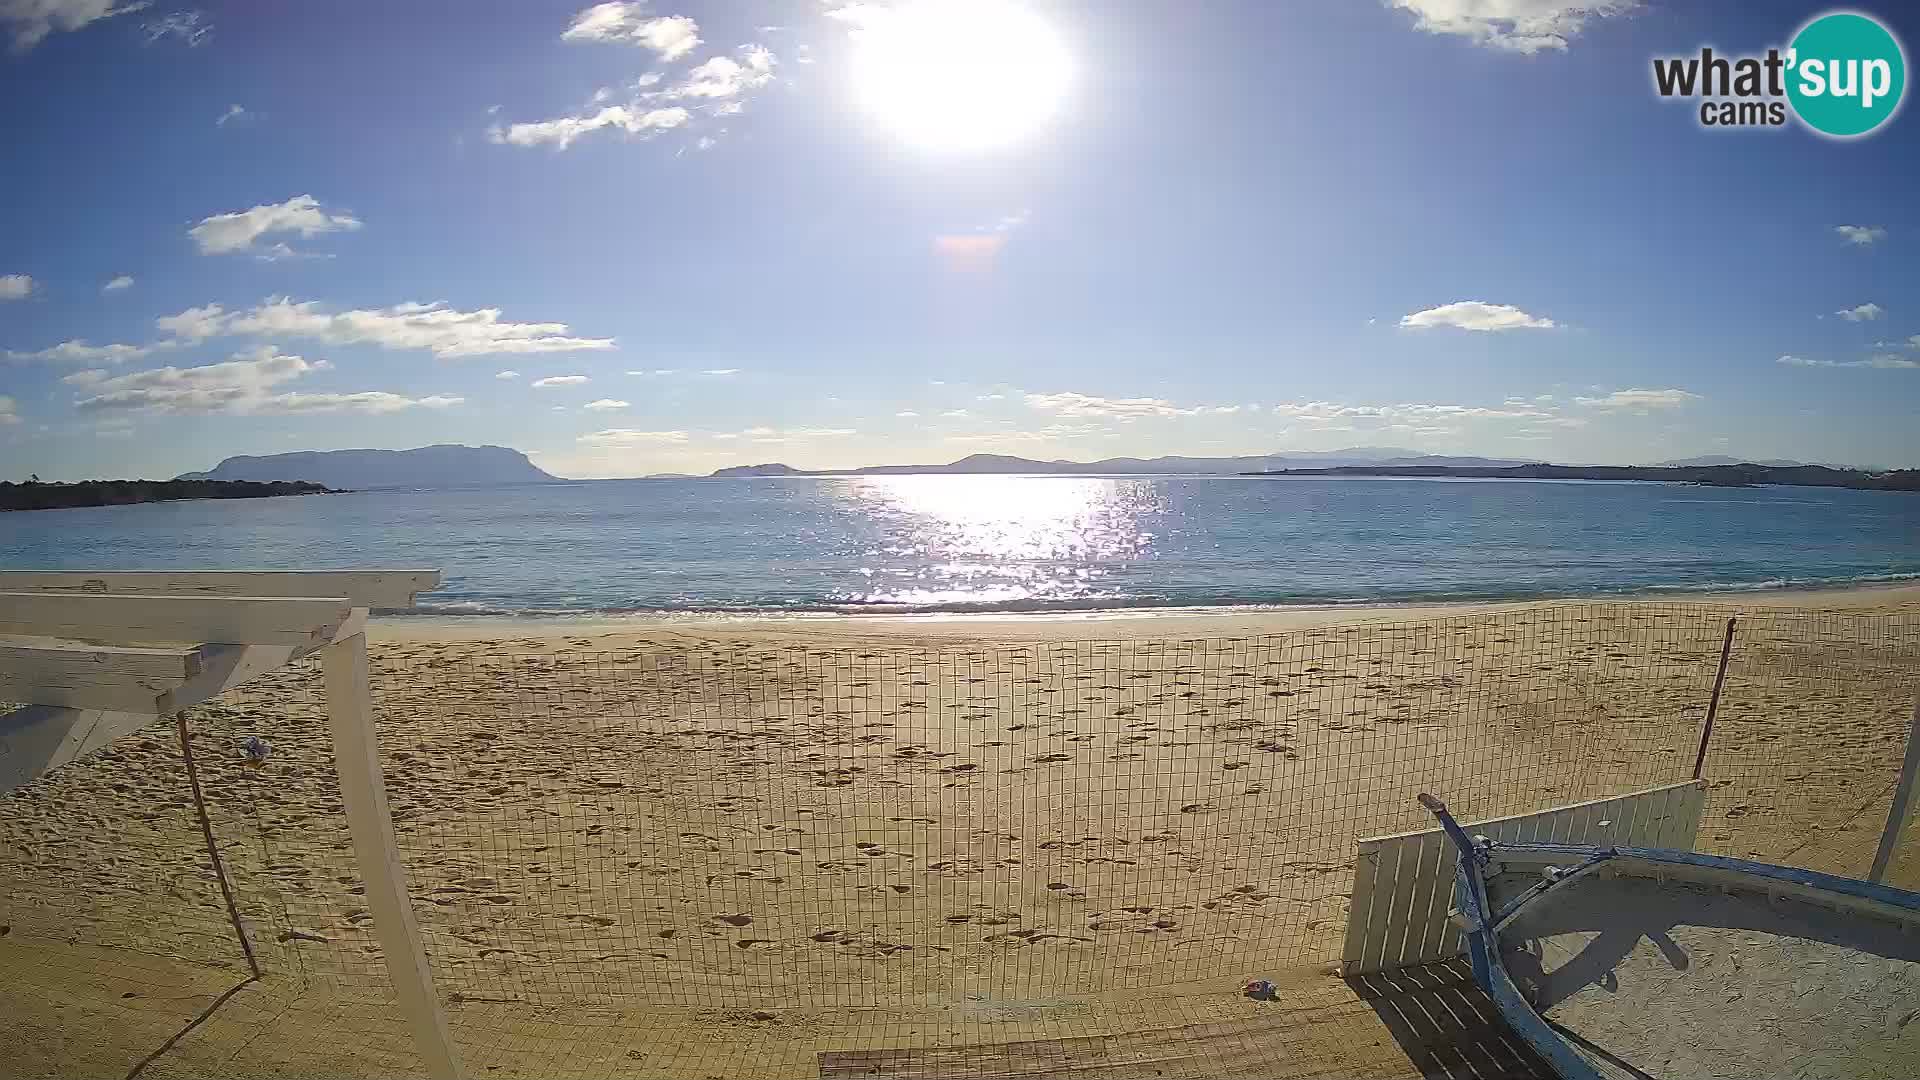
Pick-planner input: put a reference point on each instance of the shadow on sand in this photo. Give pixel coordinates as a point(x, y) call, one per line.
point(1447, 1025)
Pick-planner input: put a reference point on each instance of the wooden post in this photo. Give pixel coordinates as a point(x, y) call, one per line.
point(363, 790)
point(1902, 800)
point(1713, 703)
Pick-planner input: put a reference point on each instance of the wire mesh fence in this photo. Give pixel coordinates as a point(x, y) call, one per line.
point(768, 822)
point(810, 827)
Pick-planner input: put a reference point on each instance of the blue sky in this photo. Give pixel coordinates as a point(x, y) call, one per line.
point(848, 233)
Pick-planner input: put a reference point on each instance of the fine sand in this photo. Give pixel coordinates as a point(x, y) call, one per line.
point(782, 839)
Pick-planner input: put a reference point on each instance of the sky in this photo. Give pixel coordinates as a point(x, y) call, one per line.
point(635, 238)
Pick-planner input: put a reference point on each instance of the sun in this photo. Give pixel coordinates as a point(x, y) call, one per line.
point(959, 74)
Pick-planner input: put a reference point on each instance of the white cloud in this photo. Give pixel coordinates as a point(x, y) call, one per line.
point(1522, 26)
point(79, 352)
point(561, 380)
point(242, 385)
point(1071, 404)
point(446, 332)
point(8, 415)
point(657, 372)
point(29, 21)
point(955, 414)
point(907, 414)
point(117, 283)
point(225, 234)
point(507, 375)
point(1002, 437)
point(1862, 312)
point(714, 371)
point(775, 435)
point(719, 83)
point(605, 405)
point(859, 14)
point(234, 112)
point(369, 401)
point(630, 437)
point(669, 36)
point(16, 286)
point(256, 369)
point(1322, 412)
point(195, 323)
point(1861, 235)
point(1639, 400)
point(1476, 315)
point(724, 77)
point(188, 27)
point(562, 131)
point(1884, 362)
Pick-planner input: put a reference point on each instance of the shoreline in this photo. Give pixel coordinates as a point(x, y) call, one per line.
point(1088, 624)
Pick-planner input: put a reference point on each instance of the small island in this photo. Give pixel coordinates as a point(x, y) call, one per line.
point(35, 495)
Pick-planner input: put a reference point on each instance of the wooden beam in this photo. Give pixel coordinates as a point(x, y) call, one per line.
point(48, 658)
point(366, 588)
point(126, 679)
point(238, 620)
point(363, 790)
point(93, 690)
point(38, 738)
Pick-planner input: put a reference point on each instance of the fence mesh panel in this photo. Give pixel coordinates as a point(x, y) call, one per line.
point(768, 822)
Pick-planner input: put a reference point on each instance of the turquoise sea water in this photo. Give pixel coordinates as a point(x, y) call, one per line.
point(967, 543)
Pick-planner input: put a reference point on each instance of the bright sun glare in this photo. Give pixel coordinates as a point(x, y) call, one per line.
point(961, 74)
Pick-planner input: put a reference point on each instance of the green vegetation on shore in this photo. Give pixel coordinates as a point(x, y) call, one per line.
point(1744, 475)
point(34, 495)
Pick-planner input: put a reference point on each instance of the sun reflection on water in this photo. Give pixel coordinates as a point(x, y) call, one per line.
point(999, 540)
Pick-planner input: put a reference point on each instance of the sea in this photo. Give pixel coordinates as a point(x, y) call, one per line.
point(899, 544)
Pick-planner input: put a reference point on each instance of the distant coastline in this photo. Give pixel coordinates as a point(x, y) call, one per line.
point(34, 495)
point(1742, 475)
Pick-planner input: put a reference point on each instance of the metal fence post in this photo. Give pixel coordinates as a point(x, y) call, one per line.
point(1902, 800)
point(1713, 704)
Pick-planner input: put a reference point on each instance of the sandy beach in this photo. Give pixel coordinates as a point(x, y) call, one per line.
point(837, 835)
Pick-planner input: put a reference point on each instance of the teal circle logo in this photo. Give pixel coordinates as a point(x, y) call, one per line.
point(1846, 74)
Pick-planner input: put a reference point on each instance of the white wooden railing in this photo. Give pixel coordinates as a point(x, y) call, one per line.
point(93, 657)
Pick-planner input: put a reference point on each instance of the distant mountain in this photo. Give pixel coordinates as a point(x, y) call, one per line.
point(975, 464)
point(1437, 460)
point(1722, 459)
point(770, 469)
point(427, 466)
